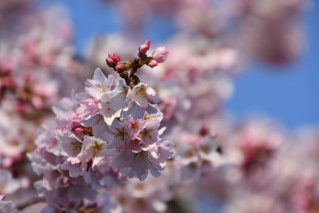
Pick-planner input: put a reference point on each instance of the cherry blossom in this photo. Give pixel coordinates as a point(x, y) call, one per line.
point(102, 137)
point(5, 206)
point(148, 132)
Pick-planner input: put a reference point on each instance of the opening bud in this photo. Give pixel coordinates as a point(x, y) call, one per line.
point(160, 54)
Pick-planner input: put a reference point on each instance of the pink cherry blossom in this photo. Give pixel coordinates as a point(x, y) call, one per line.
point(5, 206)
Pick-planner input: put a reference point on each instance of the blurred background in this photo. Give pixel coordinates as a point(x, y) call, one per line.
point(288, 93)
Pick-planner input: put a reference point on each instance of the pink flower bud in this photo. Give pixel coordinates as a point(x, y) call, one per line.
point(108, 61)
point(112, 60)
point(148, 42)
point(116, 58)
point(153, 63)
point(204, 130)
point(160, 54)
point(144, 47)
point(120, 67)
point(76, 122)
point(79, 130)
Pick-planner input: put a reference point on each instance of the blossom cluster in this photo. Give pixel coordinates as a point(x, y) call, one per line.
point(36, 59)
point(11, 13)
point(103, 150)
point(238, 170)
point(102, 137)
point(198, 154)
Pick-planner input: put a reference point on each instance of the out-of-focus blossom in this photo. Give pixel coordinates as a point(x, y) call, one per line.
point(231, 21)
point(143, 196)
point(5, 206)
point(197, 155)
point(12, 13)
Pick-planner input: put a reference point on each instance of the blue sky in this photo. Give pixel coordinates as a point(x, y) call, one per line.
point(289, 96)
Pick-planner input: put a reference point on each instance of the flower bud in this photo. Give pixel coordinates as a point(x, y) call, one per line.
point(204, 130)
point(153, 63)
point(112, 60)
point(76, 122)
point(144, 47)
point(109, 62)
point(79, 130)
point(120, 67)
point(160, 54)
point(116, 58)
